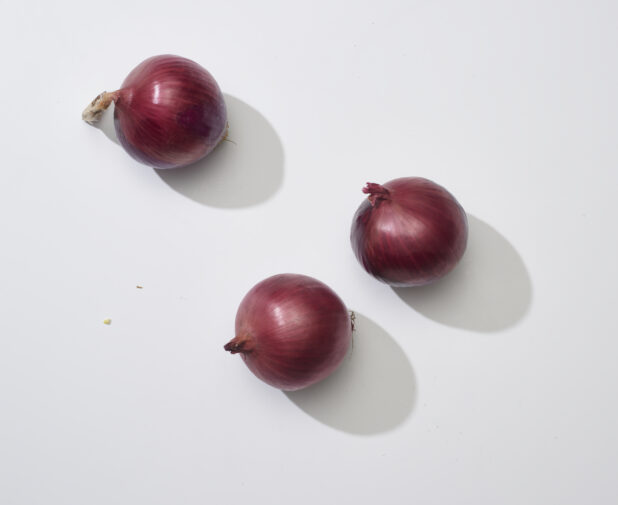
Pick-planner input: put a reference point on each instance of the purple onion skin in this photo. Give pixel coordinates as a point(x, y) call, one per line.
point(291, 331)
point(409, 232)
point(169, 112)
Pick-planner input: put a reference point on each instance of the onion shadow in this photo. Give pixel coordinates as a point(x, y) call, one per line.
point(244, 170)
point(490, 290)
point(106, 124)
point(372, 391)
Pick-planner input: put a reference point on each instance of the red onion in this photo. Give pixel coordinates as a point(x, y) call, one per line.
point(409, 231)
point(168, 113)
point(292, 331)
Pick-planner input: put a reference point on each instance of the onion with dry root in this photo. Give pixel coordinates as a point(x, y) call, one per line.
point(168, 113)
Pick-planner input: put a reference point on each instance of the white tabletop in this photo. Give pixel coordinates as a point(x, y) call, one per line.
point(497, 385)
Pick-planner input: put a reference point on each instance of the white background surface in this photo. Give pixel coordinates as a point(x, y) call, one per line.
point(496, 386)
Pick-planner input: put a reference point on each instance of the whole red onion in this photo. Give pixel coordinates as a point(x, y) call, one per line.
point(409, 232)
point(168, 113)
point(291, 331)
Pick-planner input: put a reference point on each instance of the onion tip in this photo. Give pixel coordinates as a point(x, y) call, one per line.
point(376, 193)
point(93, 112)
point(239, 344)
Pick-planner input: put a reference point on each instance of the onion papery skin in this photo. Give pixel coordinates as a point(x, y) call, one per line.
point(291, 331)
point(169, 112)
point(409, 231)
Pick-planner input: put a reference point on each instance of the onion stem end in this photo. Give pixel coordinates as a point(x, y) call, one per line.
point(93, 112)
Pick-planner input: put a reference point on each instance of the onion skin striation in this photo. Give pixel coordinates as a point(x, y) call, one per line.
point(291, 331)
point(168, 113)
point(409, 231)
